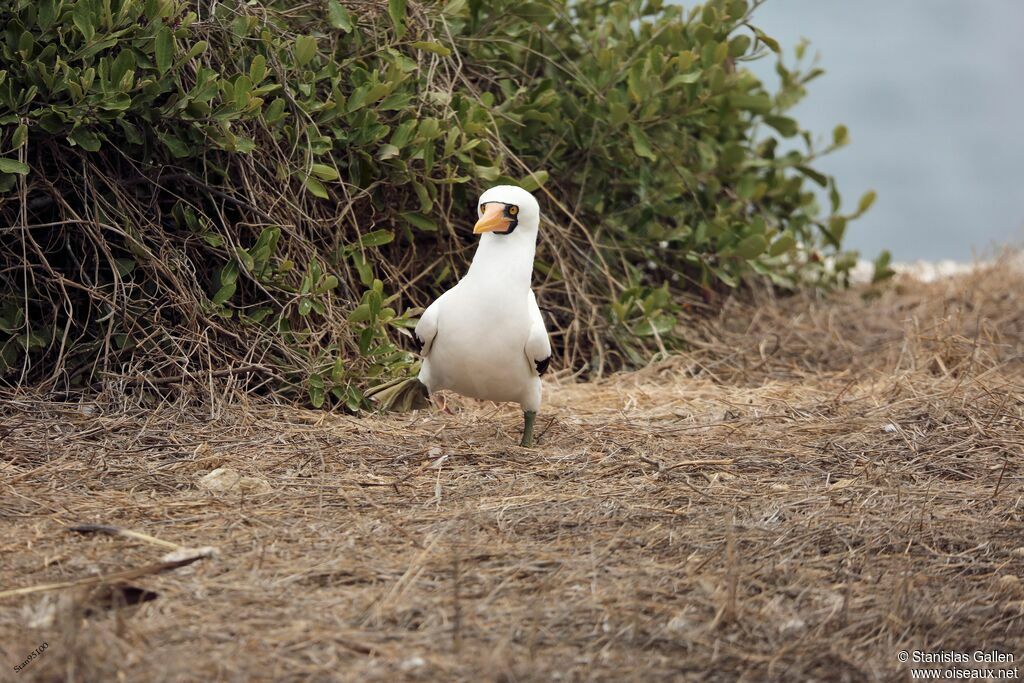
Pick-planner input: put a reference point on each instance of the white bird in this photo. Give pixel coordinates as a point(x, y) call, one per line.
point(485, 337)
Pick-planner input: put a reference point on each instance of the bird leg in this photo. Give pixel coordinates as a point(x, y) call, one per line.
point(529, 416)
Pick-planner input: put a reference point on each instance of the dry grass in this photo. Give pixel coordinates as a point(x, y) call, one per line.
point(818, 485)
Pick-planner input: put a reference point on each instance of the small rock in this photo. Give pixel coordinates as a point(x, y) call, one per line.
point(1010, 584)
point(224, 479)
point(44, 613)
point(412, 663)
point(189, 553)
point(794, 625)
point(680, 624)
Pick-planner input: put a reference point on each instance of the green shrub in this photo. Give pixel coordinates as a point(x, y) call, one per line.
point(270, 190)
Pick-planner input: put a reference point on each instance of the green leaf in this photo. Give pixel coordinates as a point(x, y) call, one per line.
point(772, 44)
point(747, 187)
point(275, 111)
point(662, 324)
point(865, 203)
point(739, 45)
point(82, 16)
point(396, 10)
point(163, 48)
point(257, 69)
point(316, 390)
point(124, 266)
point(534, 181)
point(229, 273)
point(786, 126)
point(377, 238)
point(196, 50)
point(782, 245)
point(426, 201)
point(360, 314)
point(641, 145)
point(224, 293)
point(751, 247)
point(25, 44)
point(47, 13)
point(315, 187)
point(86, 139)
point(213, 239)
point(177, 147)
point(116, 102)
point(759, 104)
point(420, 221)
point(325, 172)
point(305, 50)
point(726, 277)
point(13, 166)
point(388, 151)
point(242, 88)
point(684, 79)
point(882, 270)
point(258, 315)
point(403, 133)
point(338, 16)
point(488, 173)
point(535, 12)
point(432, 46)
point(834, 199)
point(818, 177)
point(429, 128)
point(836, 230)
point(840, 136)
point(338, 370)
point(20, 136)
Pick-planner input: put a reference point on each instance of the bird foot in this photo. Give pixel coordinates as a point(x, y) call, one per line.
point(441, 403)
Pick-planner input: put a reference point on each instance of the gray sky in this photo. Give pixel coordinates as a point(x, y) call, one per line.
point(933, 94)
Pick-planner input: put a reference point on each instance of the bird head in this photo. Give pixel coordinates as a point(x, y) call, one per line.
point(506, 209)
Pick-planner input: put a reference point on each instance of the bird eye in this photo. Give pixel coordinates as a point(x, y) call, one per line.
point(513, 210)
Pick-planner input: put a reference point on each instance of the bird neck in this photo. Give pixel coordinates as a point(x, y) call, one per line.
point(506, 260)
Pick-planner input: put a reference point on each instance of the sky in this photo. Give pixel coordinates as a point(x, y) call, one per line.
point(932, 92)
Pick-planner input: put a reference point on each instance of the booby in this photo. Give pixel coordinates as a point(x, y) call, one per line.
point(485, 337)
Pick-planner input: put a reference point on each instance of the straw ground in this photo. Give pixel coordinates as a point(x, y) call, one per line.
point(818, 485)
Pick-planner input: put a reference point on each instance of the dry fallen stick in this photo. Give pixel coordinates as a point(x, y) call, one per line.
point(697, 463)
point(127, 533)
point(123, 575)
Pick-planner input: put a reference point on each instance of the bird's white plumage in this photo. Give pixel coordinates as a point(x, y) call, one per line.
point(426, 328)
point(538, 345)
point(484, 337)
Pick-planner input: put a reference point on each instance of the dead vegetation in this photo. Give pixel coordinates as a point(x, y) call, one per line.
point(818, 485)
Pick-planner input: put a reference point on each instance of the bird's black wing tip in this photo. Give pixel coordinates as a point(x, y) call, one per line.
point(542, 365)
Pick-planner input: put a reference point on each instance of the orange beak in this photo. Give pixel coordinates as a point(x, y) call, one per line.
point(493, 219)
